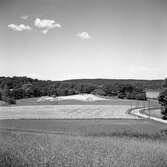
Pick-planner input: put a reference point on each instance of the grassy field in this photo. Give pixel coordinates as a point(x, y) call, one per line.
point(65, 111)
point(109, 101)
point(83, 143)
point(155, 112)
point(88, 127)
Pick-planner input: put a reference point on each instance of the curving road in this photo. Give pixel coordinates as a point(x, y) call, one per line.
point(138, 113)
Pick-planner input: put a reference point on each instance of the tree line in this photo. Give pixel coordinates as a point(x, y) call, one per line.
point(12, 88)
point(163, 100)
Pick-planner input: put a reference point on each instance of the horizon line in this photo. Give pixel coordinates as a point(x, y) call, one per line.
point(39, 78)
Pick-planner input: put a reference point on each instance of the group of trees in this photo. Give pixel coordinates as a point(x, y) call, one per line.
point(6, 96)
point(12, 88)
point(131, 92)
point(163, 100)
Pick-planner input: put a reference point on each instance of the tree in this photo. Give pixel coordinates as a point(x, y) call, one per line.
point(99, 91)
point(141, 96)
point(18, 93)
point(6, 95)
point(164, 84)
point(163, 101)
point(162, 98)
point(28, 89)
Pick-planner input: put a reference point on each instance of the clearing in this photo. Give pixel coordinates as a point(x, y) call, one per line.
point(78, 134)
point(65, 111)
point(96, 143)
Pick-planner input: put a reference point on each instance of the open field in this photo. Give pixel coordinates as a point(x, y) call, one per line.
point(155, 112)
point(107, 136)
point(108, 101)
point(20, 149)
point(78, 97)
point(88, 127)
point(82, 143)
point(64, 111)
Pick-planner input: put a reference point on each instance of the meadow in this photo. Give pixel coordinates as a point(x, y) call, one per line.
point(64, 112)
point(83, 143)
point(106, 137)
point(109, 101)
point(155, 112)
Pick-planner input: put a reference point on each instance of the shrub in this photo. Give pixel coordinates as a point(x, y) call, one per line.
point(131, 95)
point(164, 112)
point(141, 96)
point(9, 100)
point(163, 101)
point(121, 95)
point(99, 91)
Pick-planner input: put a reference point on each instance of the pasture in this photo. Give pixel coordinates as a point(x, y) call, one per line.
point(88, 127)
point(82, 143)
point(105, 101)
point(82, 134)
point(65, 112)
point(155, 112)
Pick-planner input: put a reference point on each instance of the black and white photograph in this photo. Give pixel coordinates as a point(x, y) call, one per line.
point(83, 83)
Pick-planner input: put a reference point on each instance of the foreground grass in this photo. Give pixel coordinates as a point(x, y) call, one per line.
point(89, 127)
point(22, 150)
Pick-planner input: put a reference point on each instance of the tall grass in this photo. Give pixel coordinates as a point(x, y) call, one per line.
point(19, 149)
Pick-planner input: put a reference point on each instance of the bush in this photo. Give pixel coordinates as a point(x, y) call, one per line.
point(163, 101)
point(141, 96)
point(121, 95)
point(131, 95)
point(9, 100)
point(99, 91)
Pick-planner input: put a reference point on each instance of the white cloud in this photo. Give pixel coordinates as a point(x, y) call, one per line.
point(83, 35)
point(46, 24)
point(24, 17)
point(20, 27)
point(45, 31)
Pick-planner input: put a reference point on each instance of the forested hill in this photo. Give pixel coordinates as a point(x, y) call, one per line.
point(17, 82)
point(144, 84)
point(24, 87)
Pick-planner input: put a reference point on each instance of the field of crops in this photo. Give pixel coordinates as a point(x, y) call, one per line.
point(64, 111)
point(46, 136)
point(154, 112)
point(19, 149)
point(87, 127)
point(109, 101)
point(82, 143)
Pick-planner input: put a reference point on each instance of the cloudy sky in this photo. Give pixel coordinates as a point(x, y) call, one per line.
point(67, 39)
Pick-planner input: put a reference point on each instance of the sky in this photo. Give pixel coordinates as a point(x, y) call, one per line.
point(72, 39)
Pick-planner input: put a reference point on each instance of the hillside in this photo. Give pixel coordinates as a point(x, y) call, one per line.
point(24, 87)
point(146, 84)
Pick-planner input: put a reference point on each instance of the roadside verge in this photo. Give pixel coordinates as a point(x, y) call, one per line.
point(138, 112)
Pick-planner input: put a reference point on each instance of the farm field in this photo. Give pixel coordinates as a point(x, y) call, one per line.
point(108, 101)
point(87, 127)
point(64, 111)
point(156, 112)
point(118, 143)
point(80, 135)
